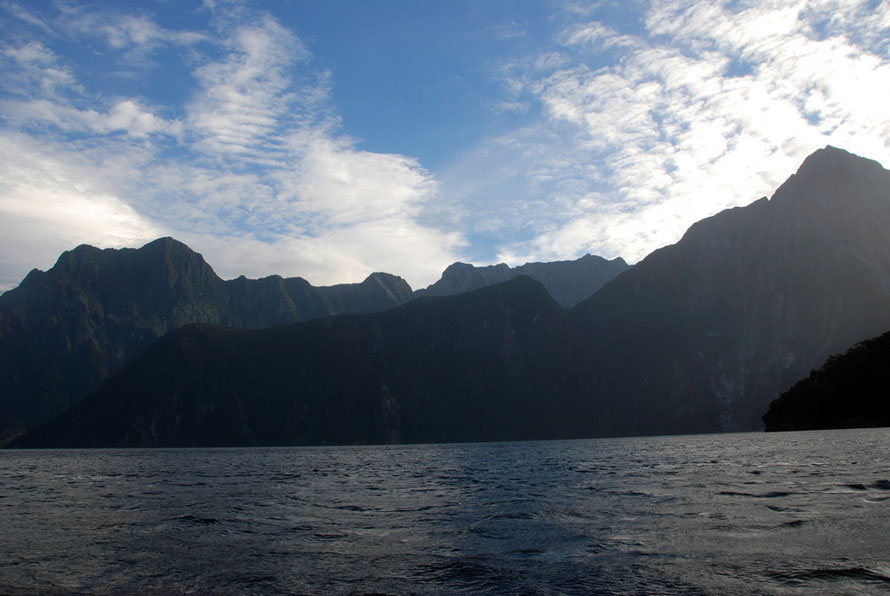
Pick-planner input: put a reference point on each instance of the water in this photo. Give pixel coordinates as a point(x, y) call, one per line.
point(787, 513)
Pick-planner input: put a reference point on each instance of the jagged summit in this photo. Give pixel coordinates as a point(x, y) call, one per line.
point(568, 282)
point(165, 253)
point(63, 331)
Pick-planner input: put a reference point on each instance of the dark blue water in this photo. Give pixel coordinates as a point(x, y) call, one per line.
point(789, 513)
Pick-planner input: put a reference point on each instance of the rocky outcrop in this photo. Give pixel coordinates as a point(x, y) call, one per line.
point(569, 282)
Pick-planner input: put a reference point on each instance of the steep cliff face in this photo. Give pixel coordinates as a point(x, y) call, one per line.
point(852, 390)
point(569, 282)
point(64, 331)
point(753, 298)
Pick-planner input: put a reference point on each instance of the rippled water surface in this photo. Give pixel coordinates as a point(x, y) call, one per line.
point(787, 513)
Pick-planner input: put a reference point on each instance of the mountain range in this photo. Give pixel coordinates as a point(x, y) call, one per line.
point(569, 282)
point(700, 336)
point(66, 330)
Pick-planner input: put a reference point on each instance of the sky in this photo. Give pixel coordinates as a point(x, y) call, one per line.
point(329, 140)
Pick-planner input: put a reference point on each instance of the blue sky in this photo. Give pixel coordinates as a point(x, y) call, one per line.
point(332, 139)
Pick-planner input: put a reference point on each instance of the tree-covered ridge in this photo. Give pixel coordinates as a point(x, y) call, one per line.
point(851, 390)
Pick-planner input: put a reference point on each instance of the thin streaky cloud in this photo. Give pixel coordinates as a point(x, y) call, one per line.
point(709, 107)
point(24, 15)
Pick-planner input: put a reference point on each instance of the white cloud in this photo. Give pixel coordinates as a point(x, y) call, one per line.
point(126, 116)
point(26, 16)
point(711, 106)
point(259, 181)
point(52, 200)
point(254, 93)
point(346, 186)
point(340, 255)
point(31, 53)
point(628, 137)
point(123, 31)
point(119, 30)
point(34, 66)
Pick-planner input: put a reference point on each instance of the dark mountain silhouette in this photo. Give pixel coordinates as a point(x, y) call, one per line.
point(64, 331)
point(437, 369)
point(697, 337)
point(748, 301)
point(569, 282)
point(852, 390)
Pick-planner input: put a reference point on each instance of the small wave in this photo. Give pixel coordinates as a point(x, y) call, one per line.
point(830, 575)
point(324, 536)
point(530, 551)
point(732, 493)
point(466, 574)
point(256, 581)
point(513, 515)
point(634, 493)
point(775, 494)
point(877, 485)
point(856, 486)
point(188, 517)
point(350, 508)
point(784, 509)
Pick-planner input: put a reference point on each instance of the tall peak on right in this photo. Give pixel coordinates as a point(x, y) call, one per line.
point(831, 178)
point(833, 160)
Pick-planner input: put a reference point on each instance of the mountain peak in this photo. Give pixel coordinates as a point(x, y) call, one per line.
point(834, 161)
point(166, 243)
point(81, 257)
point(173, 250)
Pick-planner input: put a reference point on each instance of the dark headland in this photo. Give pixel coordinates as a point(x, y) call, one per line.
point(851, 390)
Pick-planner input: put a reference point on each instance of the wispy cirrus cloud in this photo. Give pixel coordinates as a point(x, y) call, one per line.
point(32, 67)
point(707, 106)
point(254, 96)
point(250, 169)
point(126, 115)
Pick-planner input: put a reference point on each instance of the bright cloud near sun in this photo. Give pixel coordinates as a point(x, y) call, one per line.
point(308, 141)
point(707, 106)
